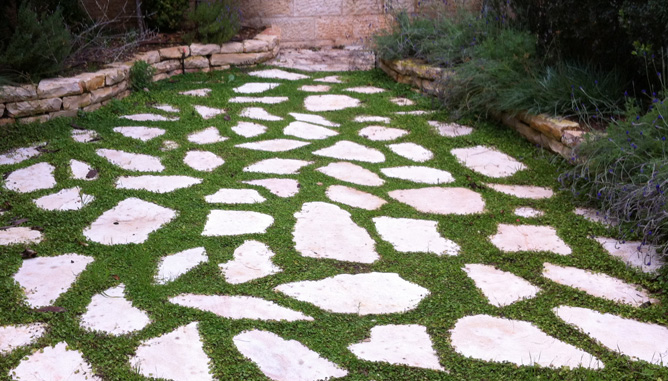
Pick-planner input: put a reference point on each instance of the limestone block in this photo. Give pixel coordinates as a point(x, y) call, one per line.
point(149, 57)
point(238, 59)
point(332, 28)
point(101, 94)
point(92, 81)
point(263, 8)
point(255, 46)
point(572, 138)
point(294, 29)
point(34, 119)
point(362, 7)
point(119, 88)
point(113, 75)
point(548, 125)
point(175, 52)
point(365, 26)
point(58, 87)
point(232, 47)
point(196, 62)
point(317, 7)
point(92, 107)
point(204, 49)
point(77, 101)
point(270, 39)
point(26, 108)
point(17, 93)
point(166, 66)
point(64, 114)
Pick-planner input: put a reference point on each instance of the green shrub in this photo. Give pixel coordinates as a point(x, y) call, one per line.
point(141, 75)
point(165, 15)
point(214, 22)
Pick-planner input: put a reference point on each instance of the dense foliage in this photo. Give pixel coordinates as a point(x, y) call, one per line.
point(141, 75)
point(214, 22)
point(165, 15)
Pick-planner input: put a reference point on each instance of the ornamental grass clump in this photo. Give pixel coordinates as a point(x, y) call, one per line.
point(214, 22)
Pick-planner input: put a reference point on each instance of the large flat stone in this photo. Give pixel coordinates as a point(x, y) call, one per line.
point(236, 222)
point(66, 199)
point(132, 161)
point(258, 113)
point(409, 235)
point(380, 133)
point(156, 184)
point(171, 267)
point(35, 177)
point(372, 119)
point(439, 200)
point(204, 161)
point(514, 238)
point(487, 161)
point(235, 196)
point(140, 133)
point(255, 87)
point(263, 100)
point(523, 191)
point(501, 288)
point(528, 212)
point(274, 145)
point(59, 87)
point(85, 136)
point(353, 197)
point(197, 92)
point(110, 313)
point(352, 173)
point(249, 129)
point(17, 155)
point(150, 118)
point(252, 260)
point(278, 187)
point(55, 363)
point(16, 336)
point(329, 102)
point(277, 74)
point(416, 174)
point(208, 135)
point(239, 307)
point(315, 88)
point(81, 170)
point(315, 119)
point(278, 166)
point(451, 130)
point(19, 235)
point(308, 131)
point(634, 254)
point(207, 112)
point(365, 90)
point(347, 150)
point(412, 151)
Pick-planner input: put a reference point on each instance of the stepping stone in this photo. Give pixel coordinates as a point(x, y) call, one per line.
point(197, 92)
point(501, 288)
point(638, 340)
point(203, 160)
point(634, 254)
point(166, 108)
point(109, 312)
point(35, 177)
point(16, 336)
point(514, 238)
point(236, 222)
point(239, 307)
point(235, 196)
point(17, 155)
point(438, 200)
point(206, 136)
point(412, 151)
point(44, 279)
point(18, 235)
point(371, 119)
point(408, 235)
point(171, 267)
point(451, 130)
point(81, 170)
point(140, 133)
point(84, 136)
point(407, 344)
point(315, 88)
point(156, 184)
point(487, 161)
point(346, 150)
point(527, 212)
point(365, 90)
point(352, 173)
point(66, 199)
point(169, 145)
point(416, 112)
point(308, 131)
point(284, 360)
point(255, 87)
point(258, 113)
point(315, 119)
point(130, 221)
point(278, 74)
point(263, 100)
point(249, 129)
point(424, 175)
point(353, 197)
point(594, 215)
point(598, 284)
point(150, 118)
point(379, 133)
point(252, 260)
point(523, 191)
point(329, 79)
point(316, 103)
point(278, 166)
point(278, 187)
point(54, 363)
point(499, 340)
point(131, 161)
point(402, 101)
point(274, 145)
point(208, 112)
point(362, 294)
point(326, 231)
point(177, 355)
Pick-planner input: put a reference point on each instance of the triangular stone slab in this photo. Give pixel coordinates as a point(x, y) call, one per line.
point(308, 131)
point(317, 103)
point(140, 133)
point(132, 161)
point(16, 336)
point(514, 238)
point(236, 222)
point(258, 113)
point(315, 119)
point(206, 136)
point(166, 108)
point(249, 129)
point(17, 155)
point(239, 307)
point(255, 87)
point(488, 161)
point(235, 196)
point(278, 166)
point(277, 74)
point(523, 191)
point(263, 100)
point(66, 199)
point(353, 197)
point(54, 363)
point(110, 313)
point(346, 150)
point(81, 170)
point(278, 187)
point(35, 177)
point(150, 118)
point(409, 235)
point(156, 184)
point(197, 92)
point(171, 267)
point(19, 235)
point(274, 145)
point(451, 130)
point(352, 173)
point(379, 133)
point(252, 260)
point(438, 200)
point(501, 288)
point(412, 151)
point(634, 254)
point(204, 161)
point(207, 112)
point(416, 174)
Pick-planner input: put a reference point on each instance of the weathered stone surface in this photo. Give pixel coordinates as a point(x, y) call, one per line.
point(635, 254)
point(412, 151)
point(17, 155)
point(451, 130)
point(514, 238)
point(101, 94)
point(196, 62)
point(439, 200)
point(278, 166)
point(19, 235)
point(380, 133)
point(308, 131)
point(273, 145)
point(409, 235)
point(249, 129)
point(132, 161)
point(84, 136)
point(166, 108)
point(501, 288)
point(208, 112)
point(236, 222)
point(55, 363)
point(92, 81)
point(258, 113)
point(113, 76)
point(252, 260)
point(35, 177)
point(149, 57)
point(174, 53)
point(353, 197)
point(271, 39)
point(424, 175)
point(40, 106)
point(66, 199)
point(239, 307)
point(487, 161)
point(109, 312)
point(76, 102)
point(278, 74)
point(34, 119)
point(255, 46)
point(346, 150)
point(548, 125)
point(315, 119)
point(523, 191)
point(81, 170)
point(171, 267)
point(329, 79)
point(156, 184)
point(527, 212)
point(278, 187)
point(235, 196)
point(264, 100)
point(59, 87)
point(63, 114)
point(166, 66)
point(203, 160)
point(12, 337)
point(204, 49)
point(231, 47)
point(255, 87)
point(240, 59)
point(402, 101)
point(316, 103)
point(206, 136)
point(140, 133)
point(352, 173)
point(17, 93)
point(315, 88)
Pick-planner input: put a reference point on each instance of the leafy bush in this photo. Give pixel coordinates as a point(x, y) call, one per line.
point(165, 15)
point(214, 22)
point(141, 75)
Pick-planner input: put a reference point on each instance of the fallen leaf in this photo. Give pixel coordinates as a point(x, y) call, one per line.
point(91, 174)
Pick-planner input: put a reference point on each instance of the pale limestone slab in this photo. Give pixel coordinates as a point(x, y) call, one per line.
point(208, 135)
point(29, 179)
point(109, 312)
point(409, 235)
point(236, 222)
point(235, 196)
point(638, 340)
point(17, 155)
point(239, 307)
point(353, 197)
point(255, 87)
point(451, 130)
point(278, 166)
point(527, 212)
point(315, 88)
point(523, 191)
point(326, 231)
point(597, 284)
point(66, 199)
point(147, 117)
point(169, 145)
point(415, 112)
point(258, 113)
point(273, 145)
point(439, 200)
point(496, 339)
point(372, 119)
point(197, 92)
point(417, 174)
point(278, 74)
point(54, 363)
point(379, 133)
point(80, 170)
point(402, 101)
point(514, 238)
point(362, 294)
point(412, 151)
point(501, 288)
point(249, 129)
point(315, 119)
point(308, 131)
point(84, 136)
point(263, 100)
point(204, 161)
point(285, 360)
point(18, 235)
point(166, 108)
point(252, 260)
point(329, 102)
point(329, 79)
point(278, 187)
point(365, 90)
point(407, 344)
point(131, 161)
point(352, 173)
point(177, 355)
point(44, 279)
point(156, 184)
point(16, 336)
point(171, 267)
point(487, 161)
point(633, 253)
point(207, 112)
point(594, 215)
point(130, 221)
point(140, 133)
point(347, 150)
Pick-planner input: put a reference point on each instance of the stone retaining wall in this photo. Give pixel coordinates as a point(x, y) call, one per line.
point(56, 97)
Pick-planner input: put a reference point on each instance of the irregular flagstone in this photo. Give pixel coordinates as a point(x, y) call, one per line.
point(346, 150)
point(263, 100)
point(523, 191)
point(527, 212)
point(84, 136)
point(451, 130)
point(171, 267)
point(407, 344)
point(638, 340)
point(18, 235)
point(17, 155)
point(177, 355)
point(329, 79)
point(249, 129)
point(157, 184)
point(316, 103)
point(255, 87)
point(140, 133)
point(514, 238)
point(353, 197)
point(132, 161)
point(352, 173)
point(204, 161)
point(54, 363)
point(308, 131)
point(207, 112)
point(236, 222)
point(379, 133)
point(495, 339)
point(412, 151)
point(239, 307)
point(16, 336)
point(409, 235)
point(44, 279)
point(278, 74)
point(594, 215)
point(274, 145)
point(278, 166)
point(150, 118)
point(634, 254)
point(258, 113)
point(402, 101)
point(315, 88)
point(111, 313)
point(365, 90)
point(252, 260)
point(372, 119)
point(424, 175)
point(130, 221)
point(501, 288)
point(487, 161)
point(362, 294)
point(441, 200)
point(235, 196)
point(278, 187)
point(285, 360)
point(197, 92)
point(315, 119)
point(166, 108)
point(597, 284)
point(206, 136)
point(66, 199)
point(35, 177)
point(326, 231)
point(81, 170)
